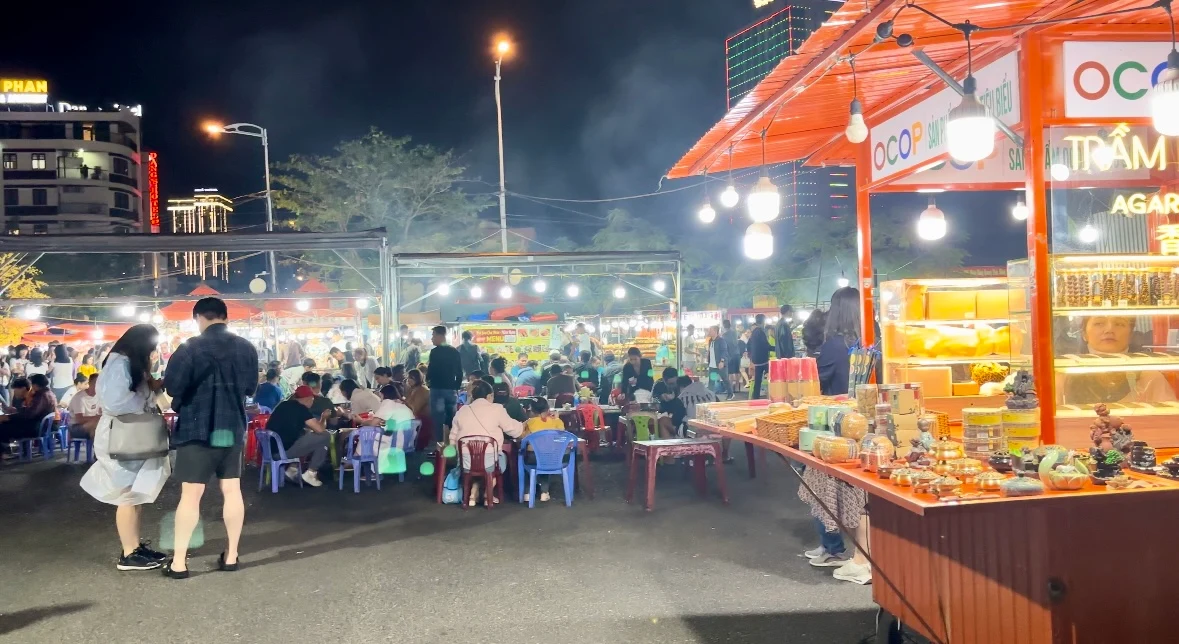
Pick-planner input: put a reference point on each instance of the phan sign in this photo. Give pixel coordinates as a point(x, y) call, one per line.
point(1111, 79)
point(917, 136)
point(19, 91)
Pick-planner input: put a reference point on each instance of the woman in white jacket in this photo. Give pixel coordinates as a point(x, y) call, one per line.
point(125, 386)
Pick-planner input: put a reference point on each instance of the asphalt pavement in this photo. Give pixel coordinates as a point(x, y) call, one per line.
point(392, 566)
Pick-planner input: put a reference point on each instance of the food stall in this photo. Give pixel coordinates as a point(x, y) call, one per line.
point(1069, 88)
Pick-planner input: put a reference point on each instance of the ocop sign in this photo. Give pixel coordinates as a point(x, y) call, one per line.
point(1111, 79)
point(918, 135)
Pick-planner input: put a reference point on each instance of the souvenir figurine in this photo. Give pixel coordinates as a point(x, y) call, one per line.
point(1022, 392)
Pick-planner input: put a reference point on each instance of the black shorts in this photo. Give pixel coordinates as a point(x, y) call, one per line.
point(733, 366)
point(197, 463)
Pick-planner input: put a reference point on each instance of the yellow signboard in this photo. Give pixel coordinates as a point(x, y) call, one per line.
point(23, 91)
point(1159, 203)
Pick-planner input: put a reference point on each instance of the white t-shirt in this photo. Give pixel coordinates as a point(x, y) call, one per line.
point(62, 376)
point(31, 369)
point(364, 402)
point(83, 404)
point(396, 411)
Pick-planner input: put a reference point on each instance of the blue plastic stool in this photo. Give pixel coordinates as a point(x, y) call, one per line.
point(76, 444)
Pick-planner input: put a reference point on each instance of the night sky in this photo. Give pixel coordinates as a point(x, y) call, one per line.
point(600, 100)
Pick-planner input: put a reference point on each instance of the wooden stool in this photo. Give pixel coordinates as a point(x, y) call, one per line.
point(696, 448)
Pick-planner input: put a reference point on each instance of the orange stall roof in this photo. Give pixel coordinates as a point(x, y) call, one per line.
point(803, 103)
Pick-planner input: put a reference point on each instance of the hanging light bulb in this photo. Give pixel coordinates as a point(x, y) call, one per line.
point(970, 130)
point(763, 201)
point(758, 242)
point(157, 318)
point(539, 286)
point(1020, 210)
point(931, 225)
point(857, 130)
point(476, 292)
point(1059, 172)
point(573, 290)
point(505, 292)
point(96, 334)
point(127, 310)
point(303, 305)
point(144, 318)
point(362, 303)
point(729, 197)
point(619, 292)
point(444, 288)
point(707, 213)
point(1164, 98)
point(842, 282)
point(1088, 234)
point(659, 285)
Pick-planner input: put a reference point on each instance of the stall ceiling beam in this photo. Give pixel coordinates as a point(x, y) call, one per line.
point(522, 260)
point(147, 299)
point(226, 242)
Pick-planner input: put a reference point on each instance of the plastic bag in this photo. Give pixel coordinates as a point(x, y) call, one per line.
point(451, 490)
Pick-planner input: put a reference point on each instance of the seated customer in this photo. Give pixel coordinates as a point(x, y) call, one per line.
point(502, 395)
point(482, 417)
point(417, 396)
point(301, 433)
point(542, 418)
point(692, 393)
point(586, 372)
point(20, 391)
point(80, 384)
point(671, 408)
point(559, 383)
point(529, 376)
point(322, 403)
point(364, 402)
point(85, 410)
point(383, 376)
point(25, 422)
point(269, 394)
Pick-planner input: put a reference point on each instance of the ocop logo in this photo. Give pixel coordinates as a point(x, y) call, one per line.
point(898, 147)
point(1125, 79)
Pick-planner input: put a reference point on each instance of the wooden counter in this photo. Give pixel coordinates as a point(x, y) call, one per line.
point(1090, 566)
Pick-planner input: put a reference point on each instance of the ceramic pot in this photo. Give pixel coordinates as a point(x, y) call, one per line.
point(947, 450)
point(1065, 477)
point(1002, 461)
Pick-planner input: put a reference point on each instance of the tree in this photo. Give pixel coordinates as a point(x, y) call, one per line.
point(26, 284)
point(378, 181)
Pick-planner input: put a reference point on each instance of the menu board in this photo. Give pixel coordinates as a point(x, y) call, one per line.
point(509, 340)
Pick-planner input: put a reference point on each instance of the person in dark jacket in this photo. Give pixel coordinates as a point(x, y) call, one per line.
point(783, 336)
point(842, 335)
point(736, 348)
point(444, 376)
point(637, 373)
point(718, 356)
point(469, 354)
point(759, 354)
point(209, 377)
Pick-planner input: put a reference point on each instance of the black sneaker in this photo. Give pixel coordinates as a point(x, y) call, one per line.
point(145, 550)
point(137, 561)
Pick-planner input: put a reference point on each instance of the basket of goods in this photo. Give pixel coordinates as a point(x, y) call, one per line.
point(782, 427)
point(838, 450)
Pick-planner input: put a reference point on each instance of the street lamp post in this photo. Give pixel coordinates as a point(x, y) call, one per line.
point(502, 48)
point(249, 129)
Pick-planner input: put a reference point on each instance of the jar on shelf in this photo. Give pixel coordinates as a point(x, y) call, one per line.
point(838, 449)
point(876, 451)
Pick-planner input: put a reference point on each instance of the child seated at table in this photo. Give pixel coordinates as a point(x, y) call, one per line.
point(541, 418)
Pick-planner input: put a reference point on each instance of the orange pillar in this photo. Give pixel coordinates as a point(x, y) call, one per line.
point(864, 242)
point(1032, 93)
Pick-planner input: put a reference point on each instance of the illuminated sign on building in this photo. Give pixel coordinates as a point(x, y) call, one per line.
point(1167, 235)
point(17, 91)
point(153, 191)
point(758, 4)
point(1130, 151)
point(1165, 203)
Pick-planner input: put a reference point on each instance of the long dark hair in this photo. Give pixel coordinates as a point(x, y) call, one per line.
point(843, 318)
point(137, 344)
point(813, 330)
point(60, 354)
point(36, 357)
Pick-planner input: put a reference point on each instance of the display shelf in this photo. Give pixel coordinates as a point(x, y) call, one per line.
point(933, 362)
point(964, 322)
point(1081, 311)
point(1104, 363)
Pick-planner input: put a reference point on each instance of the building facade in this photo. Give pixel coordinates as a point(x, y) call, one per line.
point(71, 171)
point(206, 212)
point(780, 27)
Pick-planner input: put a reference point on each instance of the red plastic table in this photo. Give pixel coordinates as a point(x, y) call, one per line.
point(695, 448)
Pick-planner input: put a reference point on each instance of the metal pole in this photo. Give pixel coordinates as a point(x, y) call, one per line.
point(269, 210)
point(679, 315)
point(503, 192)
point(395, 299)
point(385, 298)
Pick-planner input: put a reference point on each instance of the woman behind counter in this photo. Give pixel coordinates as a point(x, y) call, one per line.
point(1112, 335)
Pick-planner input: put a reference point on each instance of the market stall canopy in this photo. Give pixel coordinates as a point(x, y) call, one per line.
point(110, 332)
point(802, 105)
point(180, 311)
point(45, 337)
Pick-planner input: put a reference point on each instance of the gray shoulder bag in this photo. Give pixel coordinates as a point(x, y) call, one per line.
point(138, 437)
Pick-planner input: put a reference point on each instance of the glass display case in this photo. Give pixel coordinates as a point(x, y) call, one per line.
point(954, 336)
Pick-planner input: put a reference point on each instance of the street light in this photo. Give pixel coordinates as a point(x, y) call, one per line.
point(249, 129)
point(503, 47)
